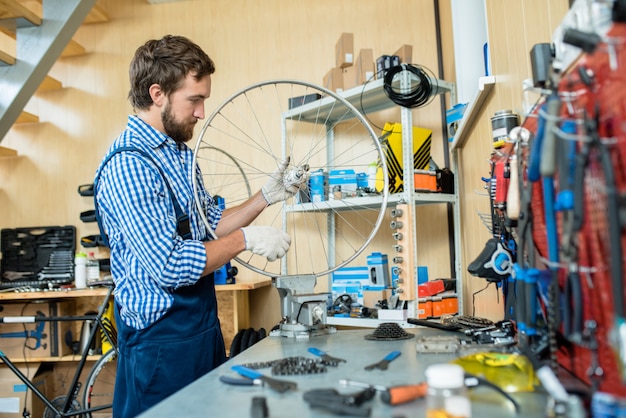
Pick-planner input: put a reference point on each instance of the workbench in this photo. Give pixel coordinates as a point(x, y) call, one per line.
point(208, 394)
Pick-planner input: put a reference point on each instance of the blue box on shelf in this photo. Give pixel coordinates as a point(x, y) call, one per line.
point(346, 179)
point(378, 270)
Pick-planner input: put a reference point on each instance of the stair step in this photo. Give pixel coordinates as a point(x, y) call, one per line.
point(73, 49)
point(12, 9)
point(7, 58)
point(26, 117)
point(7, 152)
point(49, 84)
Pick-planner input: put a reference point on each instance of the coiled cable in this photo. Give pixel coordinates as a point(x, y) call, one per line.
point(420, 94)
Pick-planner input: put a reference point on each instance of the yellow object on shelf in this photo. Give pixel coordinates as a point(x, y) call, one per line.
point(391, 138)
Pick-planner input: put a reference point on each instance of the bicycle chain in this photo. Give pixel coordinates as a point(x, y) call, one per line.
point(291, 366)
point(467, 321)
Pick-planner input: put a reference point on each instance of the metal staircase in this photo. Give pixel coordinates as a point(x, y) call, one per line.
point(39, 42)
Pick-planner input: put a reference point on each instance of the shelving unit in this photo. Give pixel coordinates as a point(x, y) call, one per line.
point(372, 98)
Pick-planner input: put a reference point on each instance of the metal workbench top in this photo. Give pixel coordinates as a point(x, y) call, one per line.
point(208, 396)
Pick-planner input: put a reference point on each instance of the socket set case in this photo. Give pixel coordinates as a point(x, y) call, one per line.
point(37, 256)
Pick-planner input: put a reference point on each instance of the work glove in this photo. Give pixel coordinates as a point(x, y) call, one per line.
point(266, 241)
point(284, 183)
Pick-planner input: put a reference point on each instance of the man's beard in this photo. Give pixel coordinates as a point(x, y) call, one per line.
point(179, 132)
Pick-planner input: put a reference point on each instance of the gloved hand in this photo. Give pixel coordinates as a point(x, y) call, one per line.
point(266, 241)
point(283, 183)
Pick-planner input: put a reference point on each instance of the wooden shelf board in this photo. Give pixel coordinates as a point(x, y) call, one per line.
point(241, 284)
point(53, 294)
point(485, 86)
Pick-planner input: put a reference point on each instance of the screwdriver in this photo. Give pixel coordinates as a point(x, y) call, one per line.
point(396, 395)
point(393, 395)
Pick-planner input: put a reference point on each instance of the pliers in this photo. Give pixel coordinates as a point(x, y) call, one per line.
point(278, 385)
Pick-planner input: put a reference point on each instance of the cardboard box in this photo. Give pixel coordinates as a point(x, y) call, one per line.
point(425, 180)
point(41, 339)
point(349, 78)
point(344, 50)
point(351, 281)
point(393, 314)
point(405, 54)
point(333, 80)
point(365, 67)
point(371, 297)
point(392, 146)
point(424, 308)
point(302, 100)
point(431, 288)
point(385, 62)
point(15, 395)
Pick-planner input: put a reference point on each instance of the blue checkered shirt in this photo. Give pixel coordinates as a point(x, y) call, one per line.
point(148, 258)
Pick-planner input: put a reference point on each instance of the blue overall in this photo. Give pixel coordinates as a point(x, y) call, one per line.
point(183, 345)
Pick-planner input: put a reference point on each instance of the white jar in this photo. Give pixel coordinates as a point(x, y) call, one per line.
point(447, 394)
point(80, 270)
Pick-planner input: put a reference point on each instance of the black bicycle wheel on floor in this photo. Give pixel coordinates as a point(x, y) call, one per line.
point(98, 394)
point(235, 346)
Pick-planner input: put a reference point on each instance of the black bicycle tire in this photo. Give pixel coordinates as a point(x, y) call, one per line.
point(262, 333)
point(110, 355)
point(236, 344)
point(254, 338)
point(245, 340)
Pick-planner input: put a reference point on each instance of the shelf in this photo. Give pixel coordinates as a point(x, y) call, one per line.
point(363, 322)
point(369, 202)
point(485, 86)
point(240, 284)
point(54, 359)
point(53, 294)
point(368, 98)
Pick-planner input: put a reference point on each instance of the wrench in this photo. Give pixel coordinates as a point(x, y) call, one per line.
point(384, 363)
point(326, 359)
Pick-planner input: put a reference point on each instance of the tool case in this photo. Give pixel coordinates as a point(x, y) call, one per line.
point(37, 256)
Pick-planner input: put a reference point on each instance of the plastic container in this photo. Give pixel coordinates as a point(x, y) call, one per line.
point(80, 270)
point(447, 394)
point(93, 268)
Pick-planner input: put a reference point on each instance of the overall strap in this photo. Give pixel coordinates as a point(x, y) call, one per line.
point(182, 219)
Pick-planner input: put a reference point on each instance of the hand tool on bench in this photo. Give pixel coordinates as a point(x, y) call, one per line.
point(393, 395)
point(339, 404)
point(326, 359)
point(278, 385)
point(243, 381)
point(384, 363)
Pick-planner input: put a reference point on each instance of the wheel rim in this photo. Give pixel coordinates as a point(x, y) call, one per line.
point(256, 129)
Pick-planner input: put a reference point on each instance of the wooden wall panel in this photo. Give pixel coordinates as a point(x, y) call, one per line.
point(514, 27)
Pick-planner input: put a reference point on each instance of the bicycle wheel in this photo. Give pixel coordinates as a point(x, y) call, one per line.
point(98, 392)
point(328, 137)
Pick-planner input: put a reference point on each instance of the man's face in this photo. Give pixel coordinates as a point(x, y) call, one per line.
point(184, 107)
